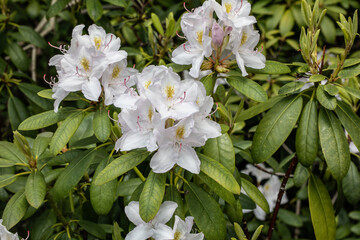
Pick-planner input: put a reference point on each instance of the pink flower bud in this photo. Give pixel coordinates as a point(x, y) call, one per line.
point(217, 34)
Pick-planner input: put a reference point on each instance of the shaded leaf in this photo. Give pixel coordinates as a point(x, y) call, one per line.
point(248, 87)
point(35, 189)
point(255, 194)
point(15, 209)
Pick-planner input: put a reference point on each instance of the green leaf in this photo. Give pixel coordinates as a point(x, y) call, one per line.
point(286, 23)
point(334, 144)
point(301, 175)
point(120, 3)
point(6, 163)
point(17, 112)
point(15, 209)
point(72, 174)
point(351, 183)
point(209, 82)
point(325, 99)
point(248, 87)
point(207, 214)
point(275, 127)
point(350, 72)
point(29, 35)
point(321, 210)
point(41, 143)
point(224, 111)
point(317, 78)
point(57, 7)
point(102, 125)
point(10, 152)
point(47, 93)
point(128, 187)
point(348, 63)
point(121, 165)
point(219, 173)
point(257, 233)
point(271, 67)
point(93, 229)
point(7, 179)
point(350, 121)
point(35, 189)
point(173, 194)
point(331, 89)
point(352, 91)
point(255, 194)
point(65, 132)
point(152, 195)
point(257, 109)
point(306, 141)
point(178, 68)
point(328, 29)
point(291, 87)
point(354, 215)
point(18, 56)
point(221, 149)
point(31, 90)
point(102, 197)
point(290, 218)
point(157, 24)
point(94, 9)
point(45, 119)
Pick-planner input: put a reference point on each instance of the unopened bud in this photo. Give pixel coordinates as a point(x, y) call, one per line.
point(217, 34)
point(222, 68)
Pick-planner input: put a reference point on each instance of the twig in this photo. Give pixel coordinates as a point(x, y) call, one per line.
point(287, 148)
point(298, 209)
point(33, 64)
point(246, 230)
point(272, 173)
point(280, 195)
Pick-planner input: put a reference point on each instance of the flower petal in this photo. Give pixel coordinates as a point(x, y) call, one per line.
point(141, 232)
point(132, 212)
point(164, 159)
point(163, 232)
point(189, 160)
point(165, 212)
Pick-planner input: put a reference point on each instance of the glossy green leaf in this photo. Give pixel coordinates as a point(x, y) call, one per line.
point(301, 175)
point(94, 9)
point(102, 197)
point(152, 195)
point(121, 165)
point(334, 144)
point(45, 119)
point(221, 149)
point(234, 211)
point(209, 83)
point(286, 23)
point(207, 214)
point(271, 67)
point(173, 194)
point(291, 87)
point(157, 24)
point(17, 112)
point(255, 194)
point(15, 209)
point(56, 8)
point(248, 87)
point(66, 130)
point(321, 209)
point(275, 127)
point(6, 179)
point(354, 215)
point(32, 37)
point(257, 232)
point(325, 99)
point(102, 125)
point(93, 229)
point(331, 89)
point(83, 133)
point(350, 72)
point(6, 163)
point(306, 141)
point(31, 90)
point(47, 93)
point(328, 29)
point(177, 67)
point(35, 189)
point(41, 143)
point(128, 187)
point(64, 158)
point(18, 56)
point(10, 152)
point(290, 218)
point(224, 112)
point(317, 78)
point(219, 173)
point(348, 63)
point(72, 174)
point(351, 183)
point(352, 91)
point(350, 121)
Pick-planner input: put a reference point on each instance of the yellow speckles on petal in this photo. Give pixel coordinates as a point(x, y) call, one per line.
point(147, 84)
point(97, 42)
point(228, 7)
point(180, 131)
point(243, 38)
point(200, 36)
point(85, 63)
point(115, 72)
point(267, 187)
point(169, 91)
point(150, 114)
point(177, 235)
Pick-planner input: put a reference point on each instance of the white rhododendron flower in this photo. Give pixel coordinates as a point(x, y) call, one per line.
point(6, 235)
point(257, 173)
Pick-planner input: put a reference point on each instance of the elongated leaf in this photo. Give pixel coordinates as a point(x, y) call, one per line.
point(127, 188)
point(47, 93)
point(248, 87)
point(157, 24)
point(306, 142)
point(65, 132)
point(102, 197)
point(6, 163)
point(31, 90)
point(32, 37)
point(72, 174)
point(219, 173)
point(286, 23)
point(350, 72)
point(121, 165)
point(206, 212)
point(10, 152)
point(255, 194)
point(352, 91)
point(350, 121)
point(271, 67)
point(6, 179)
point(15, 209)
point(57, 7)
point(17, 112)
point(325, 99)
point(301, 175)
point(290, 218)
point(334, 144)
point(93, 228)
point(65, 157)
point(18, 56)
point(257, 109)
point(40, 144)
point(291, 87)
point(45, 119)
point(172, 194)
point(152, 195)
point(221, 149)
point(35, 189)
point(102, 125)
point(95, 9)
point(317, 78)
point(331, 89)
point(275, 127)
point(321, 209)
point(351, 183)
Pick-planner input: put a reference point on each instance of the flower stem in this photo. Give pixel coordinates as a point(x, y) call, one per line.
point(137, 171)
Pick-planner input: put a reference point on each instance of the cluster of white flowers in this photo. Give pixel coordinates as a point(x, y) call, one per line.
point(167, 115)
point(269, 189)
point(157, 228)
point(89, 62)
point(232, 36)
